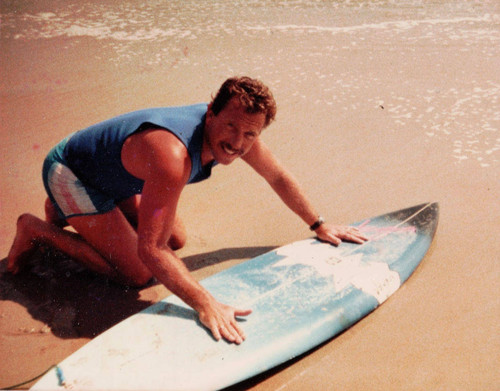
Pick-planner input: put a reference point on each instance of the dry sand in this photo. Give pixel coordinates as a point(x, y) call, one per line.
point(394, 128)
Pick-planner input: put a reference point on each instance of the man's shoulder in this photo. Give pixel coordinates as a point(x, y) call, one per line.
point(194, 112)
point(155, 151)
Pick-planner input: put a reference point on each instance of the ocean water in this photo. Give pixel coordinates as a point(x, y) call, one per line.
point(440, 81)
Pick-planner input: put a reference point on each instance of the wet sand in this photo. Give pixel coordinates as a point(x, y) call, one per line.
point(369, 121)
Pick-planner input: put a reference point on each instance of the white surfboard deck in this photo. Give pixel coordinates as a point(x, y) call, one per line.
point(301, 294)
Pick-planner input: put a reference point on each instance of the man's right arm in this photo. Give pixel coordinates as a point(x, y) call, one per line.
point(165, 170)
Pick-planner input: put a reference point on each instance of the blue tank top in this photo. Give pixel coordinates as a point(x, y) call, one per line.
point(94, 153)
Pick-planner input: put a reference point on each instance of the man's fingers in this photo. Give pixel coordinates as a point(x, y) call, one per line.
point(239, 331)
point(351, 235)
point(215, 332)
point(355, 238)
point(358, 234)
point(226, 332)
point(359, 238)
point(242, 312)
point(335, 240)
point(230, 333)
point(226, 326)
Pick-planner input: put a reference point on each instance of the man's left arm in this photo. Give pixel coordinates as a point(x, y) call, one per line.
point(261, 159)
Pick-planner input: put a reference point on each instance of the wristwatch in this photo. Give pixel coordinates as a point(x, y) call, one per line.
point(317, 224)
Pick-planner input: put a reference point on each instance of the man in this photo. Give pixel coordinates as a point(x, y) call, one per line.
point(118, 183)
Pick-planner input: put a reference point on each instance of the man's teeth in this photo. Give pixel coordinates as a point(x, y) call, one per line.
point(228, 149)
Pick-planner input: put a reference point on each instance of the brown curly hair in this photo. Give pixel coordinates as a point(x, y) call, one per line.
point(254, 95)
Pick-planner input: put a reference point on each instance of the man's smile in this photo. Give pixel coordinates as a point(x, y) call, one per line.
point(229, 150)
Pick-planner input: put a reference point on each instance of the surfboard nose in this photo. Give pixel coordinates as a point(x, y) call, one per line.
point(424, 217)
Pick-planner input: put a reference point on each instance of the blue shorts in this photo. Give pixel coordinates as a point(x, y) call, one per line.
point(68, 194)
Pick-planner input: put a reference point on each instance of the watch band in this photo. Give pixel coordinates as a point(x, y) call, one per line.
point(317, 224)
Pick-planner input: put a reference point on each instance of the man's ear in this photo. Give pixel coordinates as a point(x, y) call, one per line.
point(210, 113)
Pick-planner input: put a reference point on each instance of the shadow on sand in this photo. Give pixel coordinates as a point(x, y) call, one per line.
point(73, 302)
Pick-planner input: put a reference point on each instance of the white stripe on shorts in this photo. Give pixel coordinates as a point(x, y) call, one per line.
point(68, 191)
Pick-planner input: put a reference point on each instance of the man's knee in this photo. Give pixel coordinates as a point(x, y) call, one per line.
point(177, 241)
point(178, 237)
point(138, 281)
point(130, 208)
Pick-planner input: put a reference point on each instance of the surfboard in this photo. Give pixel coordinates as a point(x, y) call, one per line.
point(302, 295)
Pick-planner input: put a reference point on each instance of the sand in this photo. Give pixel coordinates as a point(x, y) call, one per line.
point(380, 108)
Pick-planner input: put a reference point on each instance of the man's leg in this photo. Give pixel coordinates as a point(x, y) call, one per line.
point(178, 237)
point(112, 236)
point(130, 208)
point(32, 232)
point(106, 244)
point(51, 215)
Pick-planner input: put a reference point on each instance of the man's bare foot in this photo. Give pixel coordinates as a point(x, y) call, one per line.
point(24, 243)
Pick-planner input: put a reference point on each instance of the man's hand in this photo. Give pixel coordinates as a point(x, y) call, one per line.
point(336, 234)
point(220, 319)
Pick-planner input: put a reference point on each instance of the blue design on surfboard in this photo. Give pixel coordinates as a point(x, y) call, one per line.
point(302, 295)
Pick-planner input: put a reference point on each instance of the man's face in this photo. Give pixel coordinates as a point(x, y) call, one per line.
point(231, 133)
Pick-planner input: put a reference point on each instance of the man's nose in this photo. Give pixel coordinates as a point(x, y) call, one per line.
point(237, 140)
